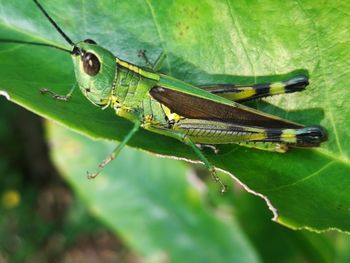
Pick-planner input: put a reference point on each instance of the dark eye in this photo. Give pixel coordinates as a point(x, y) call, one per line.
point(89, 41)
point(91, 64)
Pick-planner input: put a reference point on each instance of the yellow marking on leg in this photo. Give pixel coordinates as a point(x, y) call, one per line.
point(288, 135)
point(277, 88)
point(258, 136)
point(247, 92)
point(171, 116)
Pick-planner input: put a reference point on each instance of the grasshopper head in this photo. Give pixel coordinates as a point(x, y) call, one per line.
point(94, 70)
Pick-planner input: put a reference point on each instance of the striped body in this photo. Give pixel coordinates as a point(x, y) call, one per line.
point(133, 89)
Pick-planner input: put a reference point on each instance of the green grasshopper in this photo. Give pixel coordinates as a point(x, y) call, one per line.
point(197, 116)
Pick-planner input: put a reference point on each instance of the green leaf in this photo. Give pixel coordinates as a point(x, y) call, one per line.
point(149, 203)
point(206, 41)
point(286, 245)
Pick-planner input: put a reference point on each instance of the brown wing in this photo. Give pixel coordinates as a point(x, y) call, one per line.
point(193, 107)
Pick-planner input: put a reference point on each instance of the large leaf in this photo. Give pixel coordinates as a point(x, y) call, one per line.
point(149, 203)
point(286, 245)
point(205, 41)
point(143, 195)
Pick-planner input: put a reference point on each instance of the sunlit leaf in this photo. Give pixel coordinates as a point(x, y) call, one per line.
point(206, 41)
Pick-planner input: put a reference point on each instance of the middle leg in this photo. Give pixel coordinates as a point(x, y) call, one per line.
point(186, 139)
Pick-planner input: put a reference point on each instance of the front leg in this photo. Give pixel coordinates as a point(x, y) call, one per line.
point(57, 96)
point(116, 151)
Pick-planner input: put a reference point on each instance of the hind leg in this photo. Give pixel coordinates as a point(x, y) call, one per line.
point(241, 93)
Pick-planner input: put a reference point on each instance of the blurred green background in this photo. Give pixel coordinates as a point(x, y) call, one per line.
point(168, 211)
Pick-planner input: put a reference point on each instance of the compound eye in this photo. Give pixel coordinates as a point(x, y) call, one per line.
point(91, 64)
point(90, 41)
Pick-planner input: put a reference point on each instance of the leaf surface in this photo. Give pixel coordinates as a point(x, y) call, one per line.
point(149, 203)
point(207, 42)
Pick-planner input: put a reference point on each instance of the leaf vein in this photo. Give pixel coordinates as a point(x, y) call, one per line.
point(324, 167)
point(240, 38)
point(161, 37)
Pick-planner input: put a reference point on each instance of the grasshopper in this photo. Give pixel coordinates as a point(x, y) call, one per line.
point(202, 116)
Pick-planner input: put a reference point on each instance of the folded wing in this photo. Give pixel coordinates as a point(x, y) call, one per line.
point(192, 107)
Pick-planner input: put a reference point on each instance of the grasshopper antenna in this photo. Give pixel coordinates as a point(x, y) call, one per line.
point(43, 44)
point(4, 40)
point(54, 23)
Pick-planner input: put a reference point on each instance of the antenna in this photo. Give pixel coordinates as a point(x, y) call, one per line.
point(33, 43)
point(54, 23)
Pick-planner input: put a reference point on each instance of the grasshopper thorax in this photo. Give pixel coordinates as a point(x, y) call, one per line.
point(95, 70)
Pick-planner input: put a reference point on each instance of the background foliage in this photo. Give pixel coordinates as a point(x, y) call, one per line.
point(206, 42)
